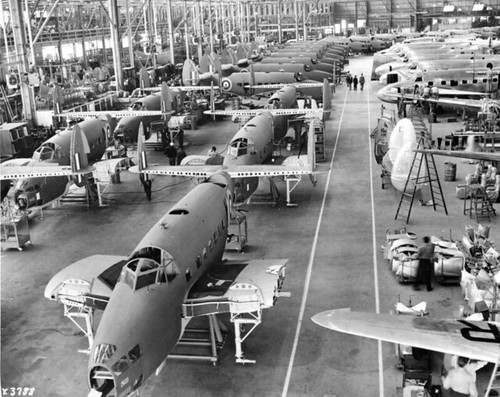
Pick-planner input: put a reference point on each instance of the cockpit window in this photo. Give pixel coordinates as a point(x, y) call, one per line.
point(137, 106)
point(148, 266)
point(47, 152)
point(120, 366)
point(239, 147)
point(103, 352)
point(135, 353)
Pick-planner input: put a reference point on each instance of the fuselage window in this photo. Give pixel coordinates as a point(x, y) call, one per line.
point(454, 83)
point(198, 261)
point(443, 82)
point(464, 81)
point(135, 353)
point(474, 81)
point(485, 81)
point(210, 244)
point(103, 352)
point(215, 238)
point(171, 271)
point(120, 366)
point(205, 253)
point(188, 274)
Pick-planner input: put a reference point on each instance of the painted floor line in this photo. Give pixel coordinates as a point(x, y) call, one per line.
point(374, 248)
point(310, 263)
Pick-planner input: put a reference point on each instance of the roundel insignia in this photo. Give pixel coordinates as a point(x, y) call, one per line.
point(226, 85)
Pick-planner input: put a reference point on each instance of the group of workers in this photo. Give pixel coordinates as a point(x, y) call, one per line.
point(353, 81)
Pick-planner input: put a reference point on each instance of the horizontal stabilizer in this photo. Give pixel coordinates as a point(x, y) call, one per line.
point(82, 278)
point(474, 339)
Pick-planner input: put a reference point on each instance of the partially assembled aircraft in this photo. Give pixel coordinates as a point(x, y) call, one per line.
point(158, 104)
point(251, 148)
point(473, 339)
point(46, 176)
point(177, 265)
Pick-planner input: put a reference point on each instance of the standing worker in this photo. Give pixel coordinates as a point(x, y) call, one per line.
point(348, 79)
point(361, 81)
point(459, 382)
point(425, 255)
point(355, 82)
point(171, 153)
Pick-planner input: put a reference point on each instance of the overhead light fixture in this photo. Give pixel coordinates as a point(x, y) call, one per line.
point(449, 8)
point(478, 7)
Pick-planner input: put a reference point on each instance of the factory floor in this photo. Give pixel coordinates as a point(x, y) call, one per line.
point(333, 240)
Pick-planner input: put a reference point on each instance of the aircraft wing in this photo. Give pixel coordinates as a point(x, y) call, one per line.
point(114, 113)
point(238, 287)
point(482, 156)
point(88, 282)
point(39, 169)
point(473, 339)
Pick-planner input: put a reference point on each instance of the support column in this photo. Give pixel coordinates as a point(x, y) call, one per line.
point(186, 33)
point(170, 32)
point(130, 35)
point(304, 21)
point(296, 12)
point(200, 31)
point(82, 29)
point(114, 25)
point(210, 26)
point(20, 59)
point(280, 32)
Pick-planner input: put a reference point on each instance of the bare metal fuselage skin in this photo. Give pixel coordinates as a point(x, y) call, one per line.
point(142, 321)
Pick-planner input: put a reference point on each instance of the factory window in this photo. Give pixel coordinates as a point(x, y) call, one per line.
point(103, 352)
point(120, 366)
point(135, 353)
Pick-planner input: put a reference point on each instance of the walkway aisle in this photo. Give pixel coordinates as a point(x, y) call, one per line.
point(343, 266)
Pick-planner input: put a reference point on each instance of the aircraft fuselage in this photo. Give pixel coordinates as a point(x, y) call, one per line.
point(40, 191)
point(142, 320)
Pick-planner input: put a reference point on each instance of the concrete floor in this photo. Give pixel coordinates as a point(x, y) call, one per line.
point(332, 238)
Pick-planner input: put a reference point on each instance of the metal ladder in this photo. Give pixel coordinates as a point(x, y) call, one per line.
point(431, 176)
point(3, 95)
point(494, 384)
